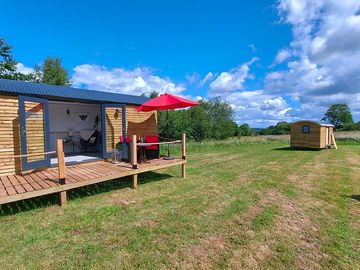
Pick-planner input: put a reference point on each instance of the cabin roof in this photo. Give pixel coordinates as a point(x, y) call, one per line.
point(314, 122)
point(66, 93)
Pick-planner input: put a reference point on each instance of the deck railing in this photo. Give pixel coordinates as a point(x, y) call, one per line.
point(133, 155)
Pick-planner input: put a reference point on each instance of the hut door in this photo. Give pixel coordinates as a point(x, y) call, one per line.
point(327, 143)
point(113, 126)
point(34, 132)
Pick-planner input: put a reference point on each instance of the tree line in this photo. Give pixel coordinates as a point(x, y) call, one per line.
point(50, 71)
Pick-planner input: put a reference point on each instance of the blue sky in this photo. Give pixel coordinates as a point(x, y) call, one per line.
point(258, 55)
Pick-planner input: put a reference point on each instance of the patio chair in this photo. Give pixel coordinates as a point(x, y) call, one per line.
point(152, 151)
point(88, 138)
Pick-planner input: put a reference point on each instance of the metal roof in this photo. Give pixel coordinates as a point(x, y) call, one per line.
point(314, 122)
point(66, 93)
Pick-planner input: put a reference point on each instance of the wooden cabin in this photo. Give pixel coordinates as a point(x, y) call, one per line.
point(33, 116)
point(311, 134)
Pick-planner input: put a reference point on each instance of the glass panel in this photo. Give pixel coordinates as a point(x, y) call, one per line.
point(35, 130)
point(305, 129)
point(113, 125)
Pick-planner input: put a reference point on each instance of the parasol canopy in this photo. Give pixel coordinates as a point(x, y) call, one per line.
point(166, 102)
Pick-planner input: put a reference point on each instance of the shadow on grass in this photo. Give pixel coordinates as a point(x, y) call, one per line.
point(355, 197)
point(288, 148)
point(78, 193)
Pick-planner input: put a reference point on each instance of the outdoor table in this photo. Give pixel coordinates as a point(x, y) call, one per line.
point(142, 148)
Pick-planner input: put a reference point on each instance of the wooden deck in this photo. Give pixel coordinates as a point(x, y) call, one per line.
point(16, 187)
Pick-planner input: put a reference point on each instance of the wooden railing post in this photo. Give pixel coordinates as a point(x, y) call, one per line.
point(183, 152)
point(134, 160)
point(133, 152)
point(61, 167)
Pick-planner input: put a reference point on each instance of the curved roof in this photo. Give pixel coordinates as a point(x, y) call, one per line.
point(313, 122)
point(66, 93)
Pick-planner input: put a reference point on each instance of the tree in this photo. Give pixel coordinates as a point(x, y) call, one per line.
point(338, 115)
point(8, 64)
point(220, 118)
point(200, 127)
point(245, 130)
point(53, 72)
point(211, 119)
point(280, 129)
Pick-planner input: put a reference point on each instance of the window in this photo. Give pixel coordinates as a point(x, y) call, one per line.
point(305, 129)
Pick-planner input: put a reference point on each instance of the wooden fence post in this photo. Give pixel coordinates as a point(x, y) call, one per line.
point(61, 167)
point(134, 160)
point(183, 151)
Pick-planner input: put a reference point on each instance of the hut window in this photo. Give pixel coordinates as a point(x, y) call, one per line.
point(305, 129)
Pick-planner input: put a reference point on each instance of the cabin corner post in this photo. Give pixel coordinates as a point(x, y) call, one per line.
point(134, 160)
point(183, 152)
point(61, 168)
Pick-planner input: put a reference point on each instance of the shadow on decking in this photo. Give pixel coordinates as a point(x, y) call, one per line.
point(288, 148)
point(82, 192)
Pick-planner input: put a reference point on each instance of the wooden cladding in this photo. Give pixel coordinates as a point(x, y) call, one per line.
point(9, 135)
point(113, 125)
point(137, 123)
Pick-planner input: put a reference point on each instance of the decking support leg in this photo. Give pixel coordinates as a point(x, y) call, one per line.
point(135, 181)
point(63, 201)
point(183, 170)
point(61, 167)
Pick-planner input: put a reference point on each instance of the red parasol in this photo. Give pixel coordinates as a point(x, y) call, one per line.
point(166, 102)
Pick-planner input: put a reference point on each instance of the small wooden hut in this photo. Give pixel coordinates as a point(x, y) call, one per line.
point(311, 134)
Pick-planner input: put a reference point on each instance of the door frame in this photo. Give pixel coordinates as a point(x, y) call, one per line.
point(25, 164)
point(327, 136)
point(122, 106)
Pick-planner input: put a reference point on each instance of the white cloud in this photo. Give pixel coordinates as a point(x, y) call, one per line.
point(258, 108)
point(193, 78)
point(325, 48)
point(119, 80)
point(253, 48)
point(207, 78)
point(20, 67)
point(232, 80)
point(281, 56)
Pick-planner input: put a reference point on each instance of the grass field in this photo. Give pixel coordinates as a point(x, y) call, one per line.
point(244, 205)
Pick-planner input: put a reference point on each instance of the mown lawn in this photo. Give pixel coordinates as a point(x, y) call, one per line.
point(254, 205)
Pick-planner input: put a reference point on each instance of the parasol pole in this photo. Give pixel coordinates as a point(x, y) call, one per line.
point(167, 129)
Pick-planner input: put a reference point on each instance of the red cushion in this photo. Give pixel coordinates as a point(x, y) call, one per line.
point(152, 139)
point(127, 139)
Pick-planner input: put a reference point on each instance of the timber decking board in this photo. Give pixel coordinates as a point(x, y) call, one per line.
point(34, 178)
point(16, 187)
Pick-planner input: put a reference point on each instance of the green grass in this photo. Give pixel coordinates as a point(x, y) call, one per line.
point(245, 204)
